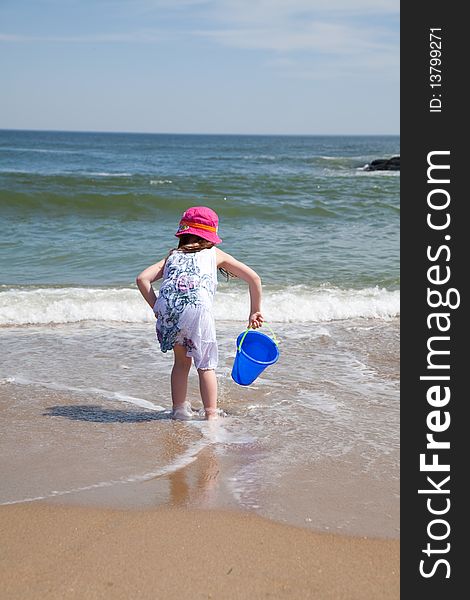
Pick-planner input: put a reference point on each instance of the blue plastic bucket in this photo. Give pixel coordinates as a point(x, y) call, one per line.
point(255, 352)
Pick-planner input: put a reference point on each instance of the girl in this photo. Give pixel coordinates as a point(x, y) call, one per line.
point(185, 322)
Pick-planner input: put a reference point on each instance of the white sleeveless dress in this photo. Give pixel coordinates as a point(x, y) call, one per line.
point(184, 306)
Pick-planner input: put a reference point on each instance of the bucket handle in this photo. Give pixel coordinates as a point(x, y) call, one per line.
point(248, 329)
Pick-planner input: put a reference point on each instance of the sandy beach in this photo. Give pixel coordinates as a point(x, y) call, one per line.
point(58, 552)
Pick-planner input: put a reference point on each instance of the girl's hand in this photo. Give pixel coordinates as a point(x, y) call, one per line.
point(256, 320)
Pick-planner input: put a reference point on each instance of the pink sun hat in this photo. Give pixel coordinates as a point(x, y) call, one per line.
point(200, 221)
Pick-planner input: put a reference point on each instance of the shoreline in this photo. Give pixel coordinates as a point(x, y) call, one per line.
point(58, 551)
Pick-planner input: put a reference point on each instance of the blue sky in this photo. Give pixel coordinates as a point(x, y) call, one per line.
point(201, 66)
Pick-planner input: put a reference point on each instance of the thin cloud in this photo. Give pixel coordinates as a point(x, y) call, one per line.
point(328, 38)
point(6, 37)
point(146, 37)
point(330, 68)
point(249, 8)
point(349, 35)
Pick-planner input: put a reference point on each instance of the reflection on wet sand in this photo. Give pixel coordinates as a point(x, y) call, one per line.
point(197, 484)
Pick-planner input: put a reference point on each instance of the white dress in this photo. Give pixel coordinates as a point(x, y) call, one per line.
point(184, 306)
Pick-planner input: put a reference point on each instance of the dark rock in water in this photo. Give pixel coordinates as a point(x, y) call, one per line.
point(384, 164)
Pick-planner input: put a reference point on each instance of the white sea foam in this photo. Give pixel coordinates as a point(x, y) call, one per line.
point(119, 396)
point(106, 174)
point(302, 304)
point(20, 306)
point(39, 150)
point(216, 432)
point(259, 157)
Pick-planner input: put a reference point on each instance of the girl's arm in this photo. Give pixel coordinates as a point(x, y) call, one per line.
point(145, 279)
point(241, 270)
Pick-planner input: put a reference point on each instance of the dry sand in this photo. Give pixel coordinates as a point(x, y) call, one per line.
point(60, 552)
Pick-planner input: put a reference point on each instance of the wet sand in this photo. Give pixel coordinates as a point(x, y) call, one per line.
point(59, 552)
point(80, 449)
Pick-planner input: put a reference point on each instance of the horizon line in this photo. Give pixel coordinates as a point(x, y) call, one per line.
point(200, 133)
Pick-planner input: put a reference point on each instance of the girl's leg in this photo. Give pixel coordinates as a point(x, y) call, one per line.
point(208, 389)
point(179, 376)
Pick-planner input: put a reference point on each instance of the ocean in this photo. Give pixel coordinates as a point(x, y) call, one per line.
point(83, 213)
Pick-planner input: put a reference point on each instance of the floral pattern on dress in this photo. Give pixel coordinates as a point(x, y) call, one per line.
point(188, 344)
point(180, 289)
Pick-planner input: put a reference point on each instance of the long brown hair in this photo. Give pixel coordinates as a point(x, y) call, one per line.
point(193, 243)
point(189, 243)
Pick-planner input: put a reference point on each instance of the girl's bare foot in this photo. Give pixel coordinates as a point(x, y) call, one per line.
point(183, 412)
point(211, 414)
